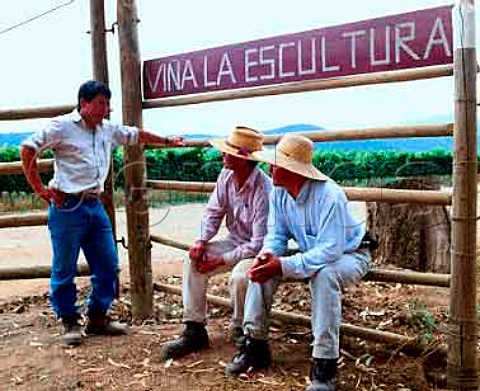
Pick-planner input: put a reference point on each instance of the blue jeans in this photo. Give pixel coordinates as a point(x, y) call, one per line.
point(81, 224)
point(326, 291)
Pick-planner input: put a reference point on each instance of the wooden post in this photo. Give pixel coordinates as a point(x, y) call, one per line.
point(100, 72)
point(462, 326)
point(139, 248)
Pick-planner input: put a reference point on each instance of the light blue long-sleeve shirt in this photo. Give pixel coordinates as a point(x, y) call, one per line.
point(318, 220)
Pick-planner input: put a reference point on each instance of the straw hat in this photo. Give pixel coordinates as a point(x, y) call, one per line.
point(241, 142)
point(293, 153)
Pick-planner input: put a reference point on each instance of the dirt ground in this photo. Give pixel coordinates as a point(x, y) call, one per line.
point(31, 358)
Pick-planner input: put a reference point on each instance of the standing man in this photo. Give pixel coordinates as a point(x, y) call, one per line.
point(81, 143)
point(241, 196)
point(310, 208)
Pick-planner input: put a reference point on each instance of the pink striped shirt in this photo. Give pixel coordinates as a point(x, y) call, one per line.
point(246, 213)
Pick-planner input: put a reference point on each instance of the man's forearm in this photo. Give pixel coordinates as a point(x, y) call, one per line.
point(29, 166)
point(145, 137)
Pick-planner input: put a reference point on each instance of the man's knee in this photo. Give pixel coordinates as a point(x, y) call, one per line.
point(239, 274)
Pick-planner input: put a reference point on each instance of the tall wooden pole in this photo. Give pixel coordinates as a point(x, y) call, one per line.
point(139, 248)
point(100, 72)
point(462, 327)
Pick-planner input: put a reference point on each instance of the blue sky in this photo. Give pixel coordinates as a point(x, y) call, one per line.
point(45, 61)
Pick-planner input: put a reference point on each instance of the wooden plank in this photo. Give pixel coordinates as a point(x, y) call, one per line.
point(139, 252)
point(462, 334)
point(433, 197)
point(23, 220)
point(305, 86)
point(376, 274)
point(34, 112)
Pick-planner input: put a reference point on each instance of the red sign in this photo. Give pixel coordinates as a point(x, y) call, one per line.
point(415, 39)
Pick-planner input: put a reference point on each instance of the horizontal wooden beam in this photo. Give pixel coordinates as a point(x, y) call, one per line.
point(379, 275)
point(34, 112)
point(15, 168)
point(27, 273)
point(305, 86)
point(409, 344)
point(23, 220)
point(392, 196)
point(376, 133)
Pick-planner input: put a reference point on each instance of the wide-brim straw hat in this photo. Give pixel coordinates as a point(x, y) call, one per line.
point(293, 153)
point(241, 142)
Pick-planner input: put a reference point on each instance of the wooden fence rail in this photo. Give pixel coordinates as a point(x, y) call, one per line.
point(34, 112)
point(353, 193)
point(27, 273)
point(304, 86)
point(409, 344)
point(378, 275)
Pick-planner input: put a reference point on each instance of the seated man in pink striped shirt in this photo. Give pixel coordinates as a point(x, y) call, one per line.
point(241, 196)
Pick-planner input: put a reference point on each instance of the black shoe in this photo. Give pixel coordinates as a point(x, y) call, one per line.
point(193, 339)
point(237, 335)
point(322, 375)
point(253, 355)
point(72, 335)
point(101, 324)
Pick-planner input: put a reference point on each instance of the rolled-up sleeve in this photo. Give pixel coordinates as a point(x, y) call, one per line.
point(124, 135)
point(47, 138)
point(329, 243)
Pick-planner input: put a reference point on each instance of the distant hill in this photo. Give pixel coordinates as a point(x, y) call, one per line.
point(13, 139)
point(404, 145)
point(419, 144)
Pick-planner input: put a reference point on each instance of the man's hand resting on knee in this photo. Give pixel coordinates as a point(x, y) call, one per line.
point(264, 267)
point(197, 250)
point(209, 263)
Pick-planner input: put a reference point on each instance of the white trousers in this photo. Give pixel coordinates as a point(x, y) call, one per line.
point(195, 286)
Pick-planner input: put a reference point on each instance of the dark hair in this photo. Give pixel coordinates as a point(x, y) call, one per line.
point(90, 89)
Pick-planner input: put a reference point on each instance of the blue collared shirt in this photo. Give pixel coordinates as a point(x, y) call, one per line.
point(318, 220)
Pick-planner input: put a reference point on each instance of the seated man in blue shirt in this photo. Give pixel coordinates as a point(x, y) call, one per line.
point(310, 208)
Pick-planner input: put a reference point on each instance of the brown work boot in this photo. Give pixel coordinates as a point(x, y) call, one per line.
point(101, 324)
point(194, 339)
point(253, 355)
point(323, 375)
point(72, 335)
point(237, 336)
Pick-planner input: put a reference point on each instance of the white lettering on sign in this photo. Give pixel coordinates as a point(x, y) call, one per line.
point(441, 40)
point(248, 64)
point(300, 57)
point(226, 70)
point(265, 59)
point(325, 67)
point(353, 47)
point(373, 60)
point(389, 43)
point(401, 41)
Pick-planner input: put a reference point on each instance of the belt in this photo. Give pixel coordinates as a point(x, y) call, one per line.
point(86, 195)
point(82, 195)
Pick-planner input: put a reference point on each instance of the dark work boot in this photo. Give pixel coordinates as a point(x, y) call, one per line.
point(101, 324)
point(237, 335)
point(194, 339)
point(253, 355)
point(322, 375)
point(72, 335)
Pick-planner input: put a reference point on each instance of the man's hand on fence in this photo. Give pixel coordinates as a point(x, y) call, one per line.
point(265, 266)
point(175, 140)
point(209, 263)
